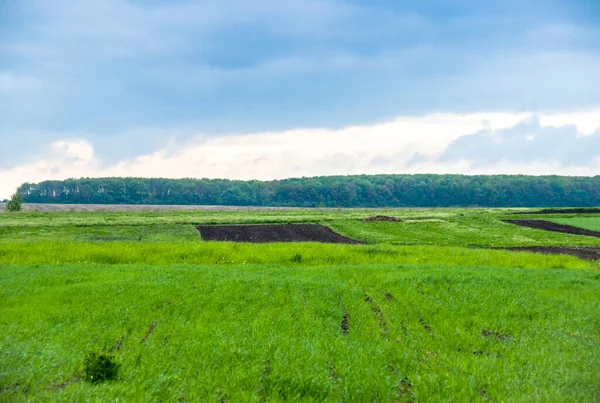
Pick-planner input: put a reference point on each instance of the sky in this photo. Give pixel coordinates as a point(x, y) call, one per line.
point(269, 89)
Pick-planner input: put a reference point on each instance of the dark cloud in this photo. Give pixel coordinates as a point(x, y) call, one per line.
point(527, 142)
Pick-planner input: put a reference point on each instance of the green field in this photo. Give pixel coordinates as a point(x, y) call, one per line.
point(423, 312)
point(590, 223)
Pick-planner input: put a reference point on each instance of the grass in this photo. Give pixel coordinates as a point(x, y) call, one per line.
point(426, 311)
point(308, 254)
point(589, 223)
point(249, 333)
point(444, 227)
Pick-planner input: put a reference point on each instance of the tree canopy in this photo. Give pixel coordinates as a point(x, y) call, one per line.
point(423, 190)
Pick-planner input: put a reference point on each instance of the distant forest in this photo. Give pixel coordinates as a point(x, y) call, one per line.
point(329, 191)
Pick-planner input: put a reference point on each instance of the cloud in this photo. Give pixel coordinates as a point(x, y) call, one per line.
point(526, 142)
point(436, 143)
point(123, 74)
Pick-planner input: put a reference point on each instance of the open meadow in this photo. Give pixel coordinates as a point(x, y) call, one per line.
point(398, 305)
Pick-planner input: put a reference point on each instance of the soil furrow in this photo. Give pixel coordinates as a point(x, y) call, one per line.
point(550, 226)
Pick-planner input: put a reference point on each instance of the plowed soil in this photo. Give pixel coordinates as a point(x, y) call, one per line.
point(582, 252)
point(273, 233)
point(550, 226)
point(381, 218)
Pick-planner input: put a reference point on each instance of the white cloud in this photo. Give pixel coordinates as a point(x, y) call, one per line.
point(388, 147)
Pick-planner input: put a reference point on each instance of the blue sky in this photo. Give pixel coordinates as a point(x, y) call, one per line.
point(131, 78)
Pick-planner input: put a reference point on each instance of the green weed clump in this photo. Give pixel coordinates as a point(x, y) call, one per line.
point(100, 368)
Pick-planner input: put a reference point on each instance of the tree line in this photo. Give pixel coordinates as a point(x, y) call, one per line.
point(423, 190)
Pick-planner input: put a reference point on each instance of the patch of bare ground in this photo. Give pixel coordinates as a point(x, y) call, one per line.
point(273, 233)
point(495, 335)
point(345, 323)
point(382, 218)
point(550, 226)
point(582, 252)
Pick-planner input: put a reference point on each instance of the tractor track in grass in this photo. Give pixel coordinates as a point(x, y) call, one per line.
point(377, 311)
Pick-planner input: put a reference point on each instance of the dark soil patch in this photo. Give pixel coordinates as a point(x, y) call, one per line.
point(149, 332)
point(273, 233)
point(582, 252)
point(345, 323)
point(389, 297)
point(425, 325)
point(550, 226)
point(495, 335)
point(382, 218)
point(563, 211)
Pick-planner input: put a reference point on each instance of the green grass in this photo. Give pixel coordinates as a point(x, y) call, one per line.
point(446, 318)
point(251, 333)
point(589, 223)
point(445, 227)
point(312, 254)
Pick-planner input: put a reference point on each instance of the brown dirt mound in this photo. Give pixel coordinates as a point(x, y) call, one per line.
point(381, 218)
point(563, 211)
point(582, 252)
point(273, 233)
point(550, 226)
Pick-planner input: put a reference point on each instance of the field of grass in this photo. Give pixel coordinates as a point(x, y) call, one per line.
point(270, 332)
point(425, 311)
point(590, 223)
point(443, 227)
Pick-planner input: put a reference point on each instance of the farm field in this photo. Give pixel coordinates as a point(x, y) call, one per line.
point(427, 308)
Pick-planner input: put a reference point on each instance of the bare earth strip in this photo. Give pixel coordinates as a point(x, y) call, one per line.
point(550, 226)
point(42, 207)
point(582, 252)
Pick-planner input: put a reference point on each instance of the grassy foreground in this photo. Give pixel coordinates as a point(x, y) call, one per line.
point(426, 311)
point(271, 332)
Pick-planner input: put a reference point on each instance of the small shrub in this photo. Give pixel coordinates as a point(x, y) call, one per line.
point(297, 258)
point(100, 368)
point(15, 202)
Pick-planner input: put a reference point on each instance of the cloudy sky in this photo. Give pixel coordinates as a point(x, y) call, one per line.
point(277, 88)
